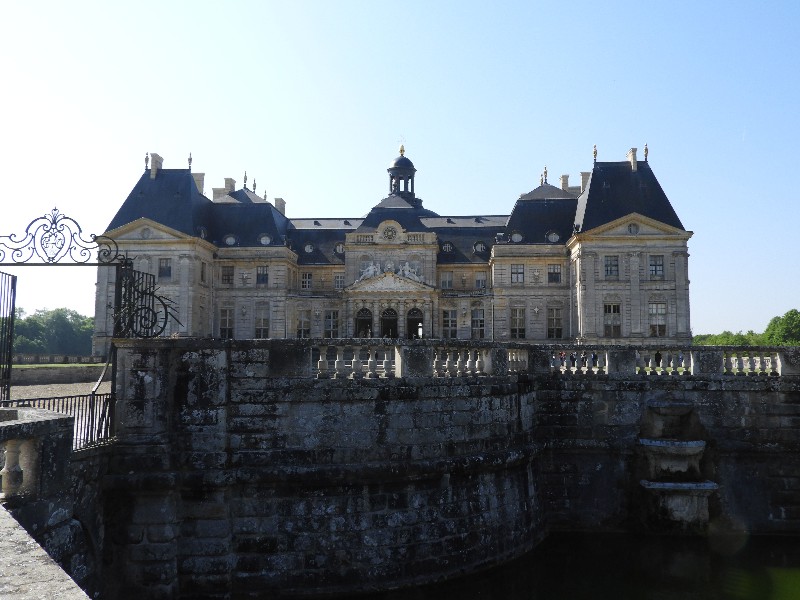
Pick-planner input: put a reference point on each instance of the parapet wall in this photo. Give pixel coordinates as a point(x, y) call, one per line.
point(250, 469)
point(237, 481)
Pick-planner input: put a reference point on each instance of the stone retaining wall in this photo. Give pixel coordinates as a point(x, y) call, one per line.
point(53, 375)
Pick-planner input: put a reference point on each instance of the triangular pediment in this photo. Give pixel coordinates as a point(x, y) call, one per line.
point(388, 282)
point(145, 229)
point(635, 224)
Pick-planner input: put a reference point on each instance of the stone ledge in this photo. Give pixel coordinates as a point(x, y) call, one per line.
point(28, 572)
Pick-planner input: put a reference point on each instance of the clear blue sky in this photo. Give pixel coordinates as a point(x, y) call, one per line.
point(313, 98)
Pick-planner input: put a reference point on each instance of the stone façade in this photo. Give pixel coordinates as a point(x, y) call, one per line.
point(229, 479)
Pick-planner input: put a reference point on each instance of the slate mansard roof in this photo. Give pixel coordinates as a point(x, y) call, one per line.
point(546, 215)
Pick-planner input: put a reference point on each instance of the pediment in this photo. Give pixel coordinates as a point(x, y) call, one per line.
point(145, 229)
point(388, 282)
point(635, 225)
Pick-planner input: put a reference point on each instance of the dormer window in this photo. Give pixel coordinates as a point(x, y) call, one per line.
point(230, 240)
point(339, 248)
point(447, 247)
point(553, 237)
point(309, 248)
point(516, 237)
point(265, 240)
point(479, 247)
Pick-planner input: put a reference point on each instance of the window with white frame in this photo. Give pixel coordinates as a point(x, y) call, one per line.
point(518, 323)
point(656, 266)
point(262, 321)
point(338, 281)
point(611, 264)
point(304, 323)
point(555, 327)
point(305, 281)
point(262, 275)
point(478, 324)
point(164, 268)
point(612, 320)
point(480, 280)
point(657, 312)
point(227, 275)
point(226, 323)
point(446, 280)
point(331, 329)
point(449, 324)
point(517, 274)
point(553, 273)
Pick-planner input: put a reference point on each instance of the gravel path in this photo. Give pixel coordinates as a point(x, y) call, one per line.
point(26, 392)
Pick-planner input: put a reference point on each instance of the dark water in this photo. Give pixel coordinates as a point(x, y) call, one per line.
point(575, 566)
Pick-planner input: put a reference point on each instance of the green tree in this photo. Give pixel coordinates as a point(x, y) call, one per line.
point(58, 331)
point(785, 330)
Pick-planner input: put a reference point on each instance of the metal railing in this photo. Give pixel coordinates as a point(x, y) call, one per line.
point(92, 413)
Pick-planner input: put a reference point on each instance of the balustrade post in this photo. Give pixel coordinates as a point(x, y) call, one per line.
point(322, 363)
point(479, 363)
point(387, 365)
point(358, 366)
point(437, 363)
point(621, 361)
point(415, 361)
point(461, 364)
point(470, 362)
point(372, 364)
point(451, 364)
point(340, 366)
point(788, 361)
point(707, 362)
point(11, 476)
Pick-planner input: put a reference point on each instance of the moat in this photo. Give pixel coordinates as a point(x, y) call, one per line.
point(621, 566)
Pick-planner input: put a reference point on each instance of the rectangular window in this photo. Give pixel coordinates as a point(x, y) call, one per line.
point(305, 281)
point(612, 320)
point(657, 266)
point(518, 323)
point(331, 324)
point(478, 324)
point(304, 323)
point(262, 275)
point(338, 281)
point(226, 323)
point(480, 280)
point(554, 274)
point(164, 268)
point(262, 321)
point(227, 275)
point(446, 280)
point(517, 274)
point(612, 267)
point(657, 312)
point(555, 328)
point(449, 324)
point(203, 267)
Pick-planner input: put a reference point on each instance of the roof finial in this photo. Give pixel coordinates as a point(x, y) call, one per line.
point(190, 161)
point(402, 150)
point(594, 153)
point(545, 173)
point(646, 152)
point(254, 185)
point(265, 195)
point(541, 179)
point(245, 180)
point(146, 161)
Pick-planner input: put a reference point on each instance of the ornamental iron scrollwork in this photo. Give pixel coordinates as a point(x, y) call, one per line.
point(140, 312)
point(54, 238)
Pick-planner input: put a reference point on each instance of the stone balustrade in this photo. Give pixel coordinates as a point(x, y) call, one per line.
point(381, 358)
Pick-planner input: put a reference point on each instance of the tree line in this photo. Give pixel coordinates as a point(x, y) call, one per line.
point(57, 331)
point(780, 331)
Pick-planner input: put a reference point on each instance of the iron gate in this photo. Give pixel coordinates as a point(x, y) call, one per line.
point(55, 239)
point(8, 294)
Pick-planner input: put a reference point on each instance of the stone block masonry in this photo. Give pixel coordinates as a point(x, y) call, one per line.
point(233, 481)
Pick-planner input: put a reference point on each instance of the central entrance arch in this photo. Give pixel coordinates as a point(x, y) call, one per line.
point(363, 328)
point(414, 324)
point(389, 323)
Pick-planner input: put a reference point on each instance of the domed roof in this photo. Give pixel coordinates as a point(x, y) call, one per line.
point(401, 162)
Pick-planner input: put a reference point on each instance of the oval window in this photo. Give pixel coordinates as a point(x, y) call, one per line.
point(553, 237)
point(230, 240)
point(309, 248)
point(516, 237)
point(265, 240)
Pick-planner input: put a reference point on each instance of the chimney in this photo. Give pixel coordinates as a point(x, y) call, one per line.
point(565, 182)
point(280, 204)
point(155, 164)
point(199, 179)
point(632, 158)
point(219, 193)
point(230, 184)
point(585, 179)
